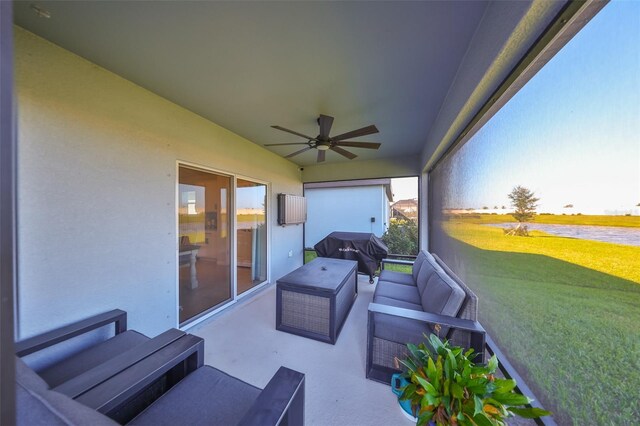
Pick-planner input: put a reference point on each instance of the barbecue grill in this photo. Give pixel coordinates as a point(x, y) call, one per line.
point(367, 249)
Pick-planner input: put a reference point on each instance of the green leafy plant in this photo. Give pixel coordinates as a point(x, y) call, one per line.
point(447, 388)
point(402, 237)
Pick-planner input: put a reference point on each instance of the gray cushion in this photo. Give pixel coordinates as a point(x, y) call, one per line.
point(89, 358)
point(415, 270)
point(396, 277)
point(426, 270)
point(36, 405)
point(442, 295)
point(398, 291)
point(206, 396)
point(32, 411)
point(28, 378)
point(397, 329)
point(395, 302)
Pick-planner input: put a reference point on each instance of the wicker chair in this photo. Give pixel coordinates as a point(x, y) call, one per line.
point(143, 381)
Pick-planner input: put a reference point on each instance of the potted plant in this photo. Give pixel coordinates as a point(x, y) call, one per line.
point(445, 387)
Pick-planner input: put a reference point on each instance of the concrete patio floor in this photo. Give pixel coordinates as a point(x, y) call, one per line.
point(243, 341)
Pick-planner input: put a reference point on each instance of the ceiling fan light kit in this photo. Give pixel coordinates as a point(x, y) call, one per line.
point(323, 142)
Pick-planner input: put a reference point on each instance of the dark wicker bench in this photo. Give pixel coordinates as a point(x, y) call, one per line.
point(407, 306)
point(314, 300)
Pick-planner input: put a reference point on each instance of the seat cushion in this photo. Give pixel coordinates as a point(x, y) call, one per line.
point(396, 277)
point(89, 358)
point(398, 291)
point(397, 329)
point(206, 396)
point(395, 302)
point(36, 405)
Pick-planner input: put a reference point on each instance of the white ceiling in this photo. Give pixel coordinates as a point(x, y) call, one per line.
point(249, 65)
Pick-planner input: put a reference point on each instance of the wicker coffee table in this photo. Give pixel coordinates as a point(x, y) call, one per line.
point(314, 300)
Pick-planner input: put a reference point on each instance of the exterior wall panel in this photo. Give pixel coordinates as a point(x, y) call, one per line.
point(344, 209)
point(97, 191)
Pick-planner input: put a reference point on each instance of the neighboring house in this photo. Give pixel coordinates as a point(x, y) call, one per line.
point(405, 209)
point(355, 206)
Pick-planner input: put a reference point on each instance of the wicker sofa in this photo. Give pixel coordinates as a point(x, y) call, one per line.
point(407, 306)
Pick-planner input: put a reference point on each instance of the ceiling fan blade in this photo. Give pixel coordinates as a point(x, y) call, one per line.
point(369, 130)
point(294, 133)
point(325, 123)
point(298, 152)
point(368, 145)
point(280, 144)
point(343, 152)
point(321, 155)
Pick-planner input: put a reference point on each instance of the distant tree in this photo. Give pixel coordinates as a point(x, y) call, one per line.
point(568, 206)
point(485, 208)
point(504, 207)
point(638, 205)
point(495, 207)
point(524, 202)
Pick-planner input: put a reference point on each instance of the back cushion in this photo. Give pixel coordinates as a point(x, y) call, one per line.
point(29, 378)
point(37, 405)
point(417, 265)
point(33, 411)
point(442, 295)
point(426, 270)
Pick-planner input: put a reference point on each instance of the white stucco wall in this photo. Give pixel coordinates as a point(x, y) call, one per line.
point(97, 187)
point(345, 209)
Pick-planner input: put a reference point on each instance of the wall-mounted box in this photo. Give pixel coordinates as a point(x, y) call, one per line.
point(292, 209)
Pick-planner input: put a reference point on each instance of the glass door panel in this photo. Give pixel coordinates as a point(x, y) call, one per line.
point(251, 220)
point(204, 244)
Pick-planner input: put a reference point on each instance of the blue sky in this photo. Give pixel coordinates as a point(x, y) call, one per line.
point(572, 134)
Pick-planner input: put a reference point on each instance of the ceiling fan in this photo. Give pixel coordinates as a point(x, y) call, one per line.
point(324, 142)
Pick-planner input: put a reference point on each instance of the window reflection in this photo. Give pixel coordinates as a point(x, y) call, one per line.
point(204, 246)
point(251, 225)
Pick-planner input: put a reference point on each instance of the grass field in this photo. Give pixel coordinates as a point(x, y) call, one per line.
point(624, 221)
point(566, 312)
point(309, 255)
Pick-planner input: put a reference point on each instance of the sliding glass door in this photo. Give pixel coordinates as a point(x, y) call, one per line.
point(207, 232)
point(251, 235)
point(204, 224)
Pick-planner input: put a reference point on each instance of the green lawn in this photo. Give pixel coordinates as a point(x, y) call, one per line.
point(309, 255)
point(624, 221)
point(566, 312)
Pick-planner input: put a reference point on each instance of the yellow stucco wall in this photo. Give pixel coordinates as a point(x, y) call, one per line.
point(97, 190)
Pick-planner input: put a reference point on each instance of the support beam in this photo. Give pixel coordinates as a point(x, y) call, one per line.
point(7, 217)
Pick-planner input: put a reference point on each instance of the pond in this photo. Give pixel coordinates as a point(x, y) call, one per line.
point(608, 234)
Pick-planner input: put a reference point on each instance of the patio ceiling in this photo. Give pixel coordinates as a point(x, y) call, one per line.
point(249, 65)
